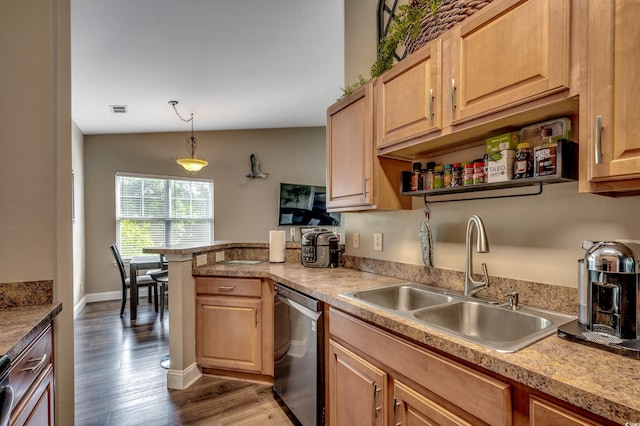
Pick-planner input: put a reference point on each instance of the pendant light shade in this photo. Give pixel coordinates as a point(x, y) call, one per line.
point(191, 163)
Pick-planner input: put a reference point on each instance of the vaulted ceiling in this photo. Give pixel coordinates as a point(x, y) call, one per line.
point(235, 64)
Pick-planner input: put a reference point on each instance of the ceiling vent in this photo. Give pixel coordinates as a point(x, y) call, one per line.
point(119, 109)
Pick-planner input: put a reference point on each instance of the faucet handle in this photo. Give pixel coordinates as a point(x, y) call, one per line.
point(513, 300)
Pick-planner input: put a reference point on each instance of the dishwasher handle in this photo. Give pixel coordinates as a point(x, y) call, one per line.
point(7, 402)
point(298, 307)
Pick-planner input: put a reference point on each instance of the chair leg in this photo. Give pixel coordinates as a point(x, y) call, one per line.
point(161, 295)
point(124, 300)
point(155, 296)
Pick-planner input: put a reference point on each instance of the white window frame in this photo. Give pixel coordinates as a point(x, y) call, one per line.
point(167, 217)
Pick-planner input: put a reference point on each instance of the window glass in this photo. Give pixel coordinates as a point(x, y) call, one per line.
point(158, 211)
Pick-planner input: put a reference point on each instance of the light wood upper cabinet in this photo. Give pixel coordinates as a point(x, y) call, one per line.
point(409, 102)
point(357, 389)
point(356, 178)
point(610, 105)
point(234, 324)
point(509, 53)
point(349, 150)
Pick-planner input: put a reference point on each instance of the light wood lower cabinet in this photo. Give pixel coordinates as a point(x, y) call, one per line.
point(234, 324)
point(410, 407)
point(428, 388)
point(357, 389)
point(31, 377)
point(376, 378)
point(546, 413)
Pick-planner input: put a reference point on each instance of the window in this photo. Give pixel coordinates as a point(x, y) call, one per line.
point(158, 211)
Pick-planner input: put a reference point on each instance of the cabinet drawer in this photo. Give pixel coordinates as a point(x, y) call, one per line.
point(248, 287)
point(31, 363)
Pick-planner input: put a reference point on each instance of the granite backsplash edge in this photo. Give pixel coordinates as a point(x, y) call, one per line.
point(26, 293)
point(535, 294)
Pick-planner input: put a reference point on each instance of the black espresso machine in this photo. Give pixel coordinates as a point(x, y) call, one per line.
point(610, 286)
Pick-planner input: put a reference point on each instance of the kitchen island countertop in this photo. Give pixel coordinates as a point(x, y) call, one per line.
point(597, 381)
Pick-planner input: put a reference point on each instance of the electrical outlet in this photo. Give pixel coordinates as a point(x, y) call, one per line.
point(356, 240)
point(219, 256)
point(377, 241)
point(201, 260)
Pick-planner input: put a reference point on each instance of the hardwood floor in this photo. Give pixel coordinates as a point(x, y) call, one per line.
point(119, 380)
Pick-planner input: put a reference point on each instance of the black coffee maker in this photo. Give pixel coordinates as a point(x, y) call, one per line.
point(613, 286)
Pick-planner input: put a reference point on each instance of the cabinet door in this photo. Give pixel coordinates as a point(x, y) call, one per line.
point(36, 408)
point(545, 413)
point(349, 150)
point(229, 334)
point(415, 409)
point(357, 389)
point(509, 53)
point(611, 122)
point(409, 103)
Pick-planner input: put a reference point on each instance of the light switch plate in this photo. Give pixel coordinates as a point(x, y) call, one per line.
point(356, 240)
point(377, 241)
point(201, 260)
point(219, 256)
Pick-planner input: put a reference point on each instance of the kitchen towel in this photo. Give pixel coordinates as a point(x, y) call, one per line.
point(276, 246)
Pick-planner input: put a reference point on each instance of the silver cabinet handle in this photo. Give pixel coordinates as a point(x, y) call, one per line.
point(377, 408)
point(40, 363)
point(598, 140)
point(256, 314)
point(430, 104)
point(396, 404)
point(364, 185)
point(226, 288)
point(453, 95)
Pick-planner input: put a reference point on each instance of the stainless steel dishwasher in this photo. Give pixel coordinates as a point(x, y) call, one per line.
point(299, 355)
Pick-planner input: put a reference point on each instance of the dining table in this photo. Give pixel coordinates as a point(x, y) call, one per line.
point(136, 264)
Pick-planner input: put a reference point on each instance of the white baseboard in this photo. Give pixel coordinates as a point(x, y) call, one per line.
point(95, 297)
point(182, 379)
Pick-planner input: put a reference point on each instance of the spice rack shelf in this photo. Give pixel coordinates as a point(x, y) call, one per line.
point(473, 190)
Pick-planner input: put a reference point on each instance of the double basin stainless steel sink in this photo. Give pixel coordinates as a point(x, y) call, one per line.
point(487, 323)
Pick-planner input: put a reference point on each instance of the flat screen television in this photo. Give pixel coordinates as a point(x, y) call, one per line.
point(304, 205)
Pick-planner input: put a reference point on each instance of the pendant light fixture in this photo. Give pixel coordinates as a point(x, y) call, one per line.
point(192, 164)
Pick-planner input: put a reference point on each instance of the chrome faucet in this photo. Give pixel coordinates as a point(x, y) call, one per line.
point(470, 285)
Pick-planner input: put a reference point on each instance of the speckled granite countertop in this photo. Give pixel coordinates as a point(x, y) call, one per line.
point(603, 383)
point(21, 324)
point(26, 308)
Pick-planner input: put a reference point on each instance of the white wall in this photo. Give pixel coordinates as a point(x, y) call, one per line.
point(531, 238)
point(35, 165)
point(244, 209)
point(77, 140)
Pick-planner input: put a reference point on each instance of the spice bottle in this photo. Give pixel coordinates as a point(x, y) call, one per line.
point(478, 172)
point(467, 174)
point(438, 177)
point(456, 175)
point(546, 155)
point(415, 176)
point(428, 176)
point(447, 176)
point(523, 166)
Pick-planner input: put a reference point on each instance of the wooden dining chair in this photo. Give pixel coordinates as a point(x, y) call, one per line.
point(141, 281)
